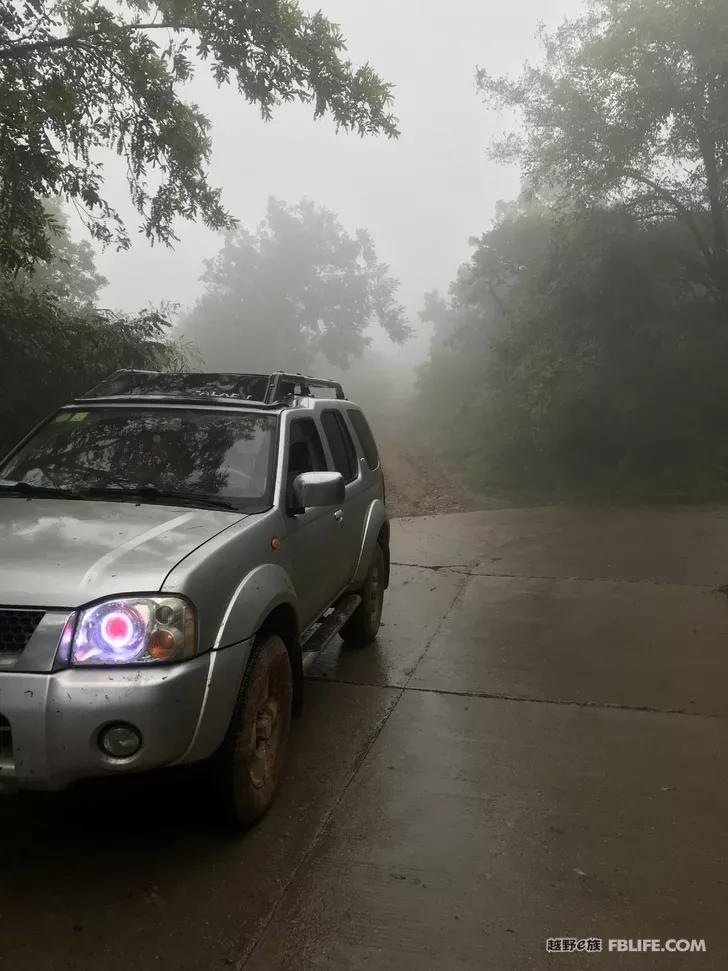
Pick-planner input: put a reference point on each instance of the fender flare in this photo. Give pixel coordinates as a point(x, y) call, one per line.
point(376, 518)
point(259, 593)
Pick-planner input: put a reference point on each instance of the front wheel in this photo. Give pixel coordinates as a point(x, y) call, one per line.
point(361, 628)
point(249, 763)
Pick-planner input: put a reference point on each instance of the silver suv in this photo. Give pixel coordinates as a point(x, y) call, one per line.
point(174, 551)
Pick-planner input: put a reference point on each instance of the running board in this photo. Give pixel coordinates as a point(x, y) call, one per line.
point(329, 628)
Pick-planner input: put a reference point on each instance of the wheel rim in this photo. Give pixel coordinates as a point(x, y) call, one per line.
point(265, 741)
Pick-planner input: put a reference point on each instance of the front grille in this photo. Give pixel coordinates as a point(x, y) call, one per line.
point(16, 629)
point(6, 739)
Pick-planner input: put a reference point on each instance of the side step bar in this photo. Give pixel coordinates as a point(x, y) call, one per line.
point(329, 628)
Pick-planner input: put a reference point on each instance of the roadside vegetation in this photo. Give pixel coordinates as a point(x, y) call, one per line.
point(583, 350)
point(57, 341)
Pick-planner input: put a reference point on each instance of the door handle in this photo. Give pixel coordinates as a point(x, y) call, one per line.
point(339, 516)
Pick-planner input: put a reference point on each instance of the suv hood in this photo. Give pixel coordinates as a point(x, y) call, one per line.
point(65, 552)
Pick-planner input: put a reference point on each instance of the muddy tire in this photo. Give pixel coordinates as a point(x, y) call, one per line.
point(361, 628)
point(248, 765)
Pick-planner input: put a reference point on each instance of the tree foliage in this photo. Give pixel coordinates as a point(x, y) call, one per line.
point(630, 106)
point(77, 77)
point(572, 358)
point(583, 349)
point(70, 275)
point(56, 342)
point(298, 287)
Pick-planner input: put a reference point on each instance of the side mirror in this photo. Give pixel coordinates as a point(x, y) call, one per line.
point(318, 489)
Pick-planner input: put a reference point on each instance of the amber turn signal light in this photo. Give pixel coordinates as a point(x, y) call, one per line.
point(162, 645)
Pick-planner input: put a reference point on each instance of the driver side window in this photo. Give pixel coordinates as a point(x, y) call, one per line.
point(305, 453)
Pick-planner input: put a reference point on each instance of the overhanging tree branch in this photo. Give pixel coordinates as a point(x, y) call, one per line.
point(71, 40)
point(96, 80)
point(684, 213)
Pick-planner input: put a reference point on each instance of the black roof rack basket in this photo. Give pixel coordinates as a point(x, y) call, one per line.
point(260, 389)
point(282, 386)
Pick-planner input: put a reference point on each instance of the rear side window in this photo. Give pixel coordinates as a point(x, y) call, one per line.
point(366, 439)
point(340, 443)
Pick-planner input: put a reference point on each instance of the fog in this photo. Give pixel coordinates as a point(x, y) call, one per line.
point(421, 196)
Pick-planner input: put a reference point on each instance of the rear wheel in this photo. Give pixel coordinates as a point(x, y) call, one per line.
point(362, 626)
point(249, 763)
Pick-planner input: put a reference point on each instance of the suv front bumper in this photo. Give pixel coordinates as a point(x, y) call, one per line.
point(55, 720)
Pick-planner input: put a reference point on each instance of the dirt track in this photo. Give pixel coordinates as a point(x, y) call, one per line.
point(417, 483)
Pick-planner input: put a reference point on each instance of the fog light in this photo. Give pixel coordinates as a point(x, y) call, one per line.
point(120, 741)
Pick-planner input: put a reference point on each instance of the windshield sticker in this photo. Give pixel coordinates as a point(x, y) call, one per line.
point(79, 416)
point(64, 416)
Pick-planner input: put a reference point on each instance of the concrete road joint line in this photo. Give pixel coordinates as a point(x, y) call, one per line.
point(527, 699)
point(458, 567)
point(472, 571)
point(459, 594)
point(320, 834)
point(324, 826)
point(655, 583)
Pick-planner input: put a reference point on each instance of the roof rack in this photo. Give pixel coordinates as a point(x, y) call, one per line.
point(262, 390)
point(282, 385)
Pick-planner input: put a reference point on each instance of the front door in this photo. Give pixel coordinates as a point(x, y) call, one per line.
point(315, 543)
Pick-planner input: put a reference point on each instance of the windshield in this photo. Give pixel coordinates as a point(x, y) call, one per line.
point(173, 452)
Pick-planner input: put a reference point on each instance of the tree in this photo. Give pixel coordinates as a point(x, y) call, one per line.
point(70, 275)
point(52, 353)
point(631, 106)
point(56, 343)
point(298, 287)
point(77, 77)
point(570, 358)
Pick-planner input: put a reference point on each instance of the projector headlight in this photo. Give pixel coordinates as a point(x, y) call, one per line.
point(135, 630)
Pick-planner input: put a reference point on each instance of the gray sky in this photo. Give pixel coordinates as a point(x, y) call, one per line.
point(421, 196)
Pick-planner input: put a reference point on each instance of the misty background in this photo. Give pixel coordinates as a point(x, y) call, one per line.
point(544, 314)
point(421, 196)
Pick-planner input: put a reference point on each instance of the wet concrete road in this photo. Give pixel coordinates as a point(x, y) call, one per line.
point(535, 747)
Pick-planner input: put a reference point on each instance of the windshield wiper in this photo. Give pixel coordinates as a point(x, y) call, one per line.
point(153, 494)
point(27, 489)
